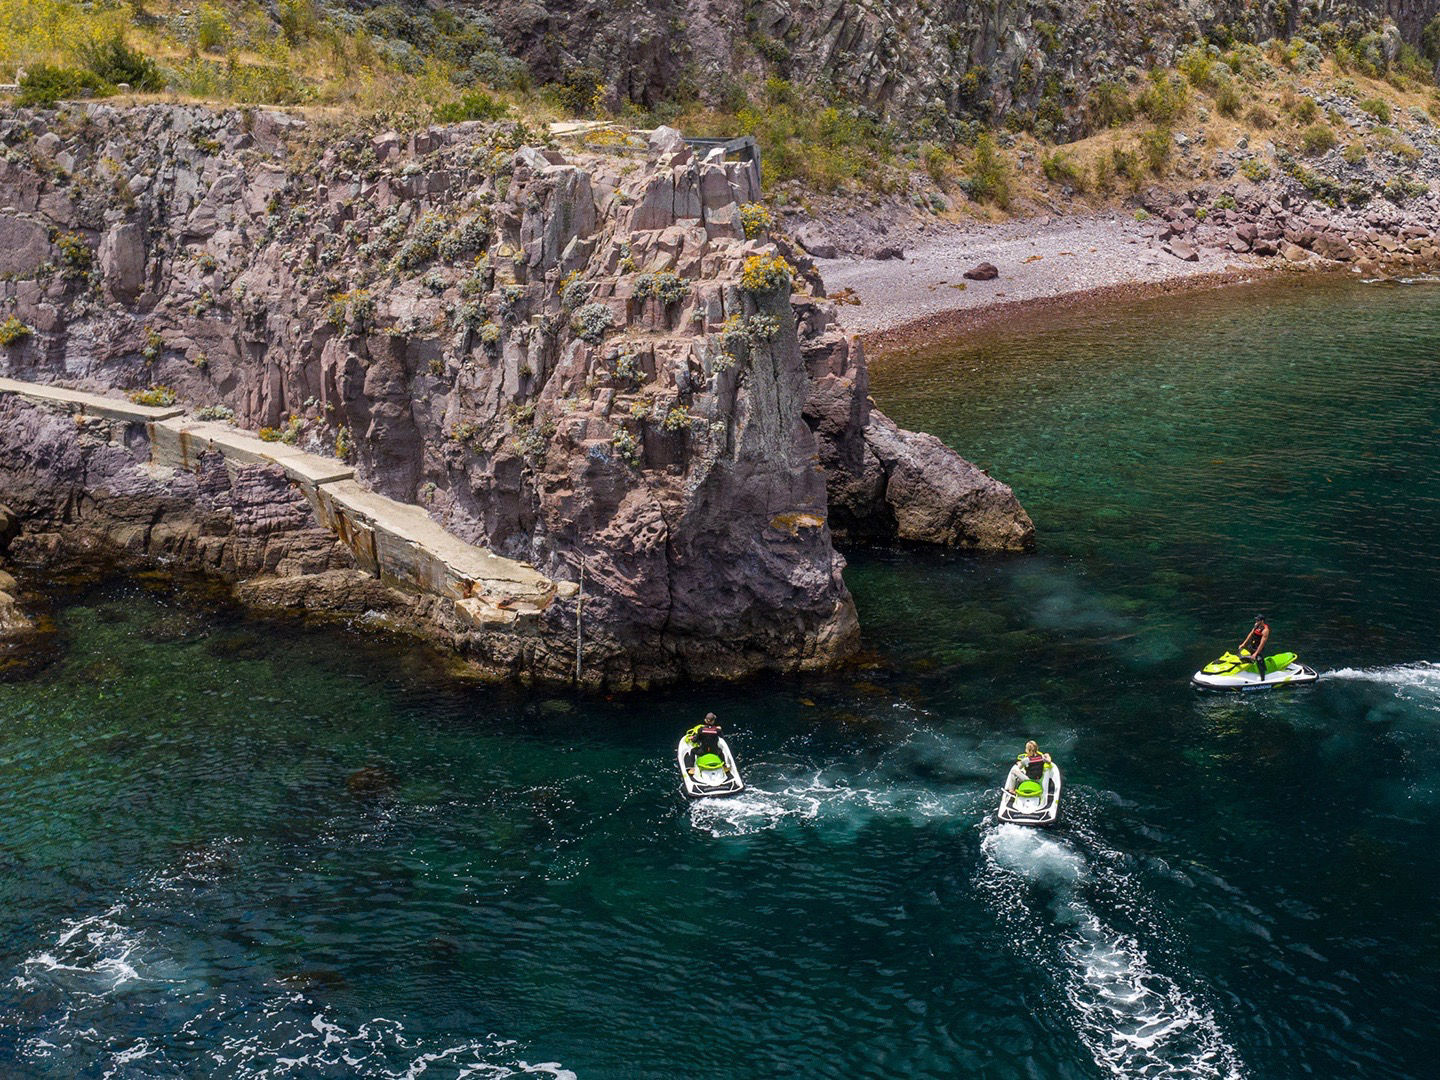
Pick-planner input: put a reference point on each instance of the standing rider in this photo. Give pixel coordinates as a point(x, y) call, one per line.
point(1259, 636)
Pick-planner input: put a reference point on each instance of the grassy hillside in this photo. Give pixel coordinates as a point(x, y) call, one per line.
point(415, 66)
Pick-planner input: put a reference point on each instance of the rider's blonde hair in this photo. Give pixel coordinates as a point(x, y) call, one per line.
point(1032, 747)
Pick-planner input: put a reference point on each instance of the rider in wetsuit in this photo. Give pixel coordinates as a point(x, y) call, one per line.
point(1255, 642)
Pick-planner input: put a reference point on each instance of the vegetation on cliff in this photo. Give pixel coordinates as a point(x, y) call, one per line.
point(415, 63)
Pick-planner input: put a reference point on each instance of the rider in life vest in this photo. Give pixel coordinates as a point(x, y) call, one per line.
point(1032, 761)
point(1258, 636)
point(705, 737)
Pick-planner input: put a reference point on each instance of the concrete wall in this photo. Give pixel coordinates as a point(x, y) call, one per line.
point(398, 542)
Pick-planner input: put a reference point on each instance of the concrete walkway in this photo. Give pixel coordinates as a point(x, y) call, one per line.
point(397, 542)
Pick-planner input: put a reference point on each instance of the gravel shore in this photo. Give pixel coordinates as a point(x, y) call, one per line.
point(1065, 260)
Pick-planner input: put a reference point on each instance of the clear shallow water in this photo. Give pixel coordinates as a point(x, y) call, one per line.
point(235, 849)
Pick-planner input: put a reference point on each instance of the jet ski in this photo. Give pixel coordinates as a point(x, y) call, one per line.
point(707, 774)
point(1232, 673)
point(1032, 794)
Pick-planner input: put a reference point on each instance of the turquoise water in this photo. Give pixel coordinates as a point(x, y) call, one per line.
point(232, 848)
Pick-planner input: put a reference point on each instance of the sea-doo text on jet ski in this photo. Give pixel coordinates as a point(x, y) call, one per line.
point(1032, 793)
point(1232, 673)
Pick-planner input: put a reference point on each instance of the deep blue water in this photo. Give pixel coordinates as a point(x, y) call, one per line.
point(231, 848)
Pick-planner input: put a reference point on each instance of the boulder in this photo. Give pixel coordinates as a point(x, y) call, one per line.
point(1293, 252)
point(1182, 250)
point(24, 245)
point(1333, 246)
point(666, 140)
point(937, 497)
point(815, 243)
point(982, 272)
point(122, 261)
point(888, 251)
point(12, 619)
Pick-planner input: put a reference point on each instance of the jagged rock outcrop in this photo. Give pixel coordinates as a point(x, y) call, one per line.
point(579, 361)
point(920, 64)
point(889, 484)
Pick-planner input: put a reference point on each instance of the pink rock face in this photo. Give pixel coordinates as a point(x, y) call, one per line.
point(550, 352)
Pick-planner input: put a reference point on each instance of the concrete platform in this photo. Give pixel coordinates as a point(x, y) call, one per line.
point(178, 442)
point(78, 401)
point(397, 542)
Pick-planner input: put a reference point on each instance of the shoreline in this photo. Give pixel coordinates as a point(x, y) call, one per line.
point(1039, 267)
point(942, 326)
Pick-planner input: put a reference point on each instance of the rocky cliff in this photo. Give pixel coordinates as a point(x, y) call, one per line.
point(590, 361)
point(920, 63)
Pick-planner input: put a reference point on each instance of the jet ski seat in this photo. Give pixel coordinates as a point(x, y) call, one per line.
point(708, 762)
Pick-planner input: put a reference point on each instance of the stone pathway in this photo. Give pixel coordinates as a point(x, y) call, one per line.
point(397, 542)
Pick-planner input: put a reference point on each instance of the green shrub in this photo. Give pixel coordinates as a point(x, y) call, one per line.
point(765, 274)
point(473, 105)
point(1164, 100)
point(667, 287)
point(1155, 146)
point(1303, 109)
point(989, 178)
point(592, 322)
point(156, 397)
point(936, 161)
point(1228, 100)
point(1255, 170)
point(75, 255)
point(1108, 105)
point(1060, 168)
point(1430, 40)
point(114, 61)
point(1126, 163)
point(13, 330)
point(1197, 67)
point(298, 20)
point(574, 291)
point(1379, 108)
point(218, 413)
point(677, 419)
point(1355, 152)
point(44, 85)
point(1317, 139)
point(1224, 202)
point(212, 29)
point(627, 449)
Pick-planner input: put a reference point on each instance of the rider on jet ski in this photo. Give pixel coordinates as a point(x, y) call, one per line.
point(1031, 763)
point(1259, 635)
point(705, 737)
point(1032, 760)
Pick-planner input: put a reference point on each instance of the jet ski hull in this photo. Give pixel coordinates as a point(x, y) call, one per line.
point(700, 783)
point(1042, 810)
point(1230, 673)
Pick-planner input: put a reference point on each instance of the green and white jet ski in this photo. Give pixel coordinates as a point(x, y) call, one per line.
point(1031, 795)
point(1232, 673)
point(707, 775)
